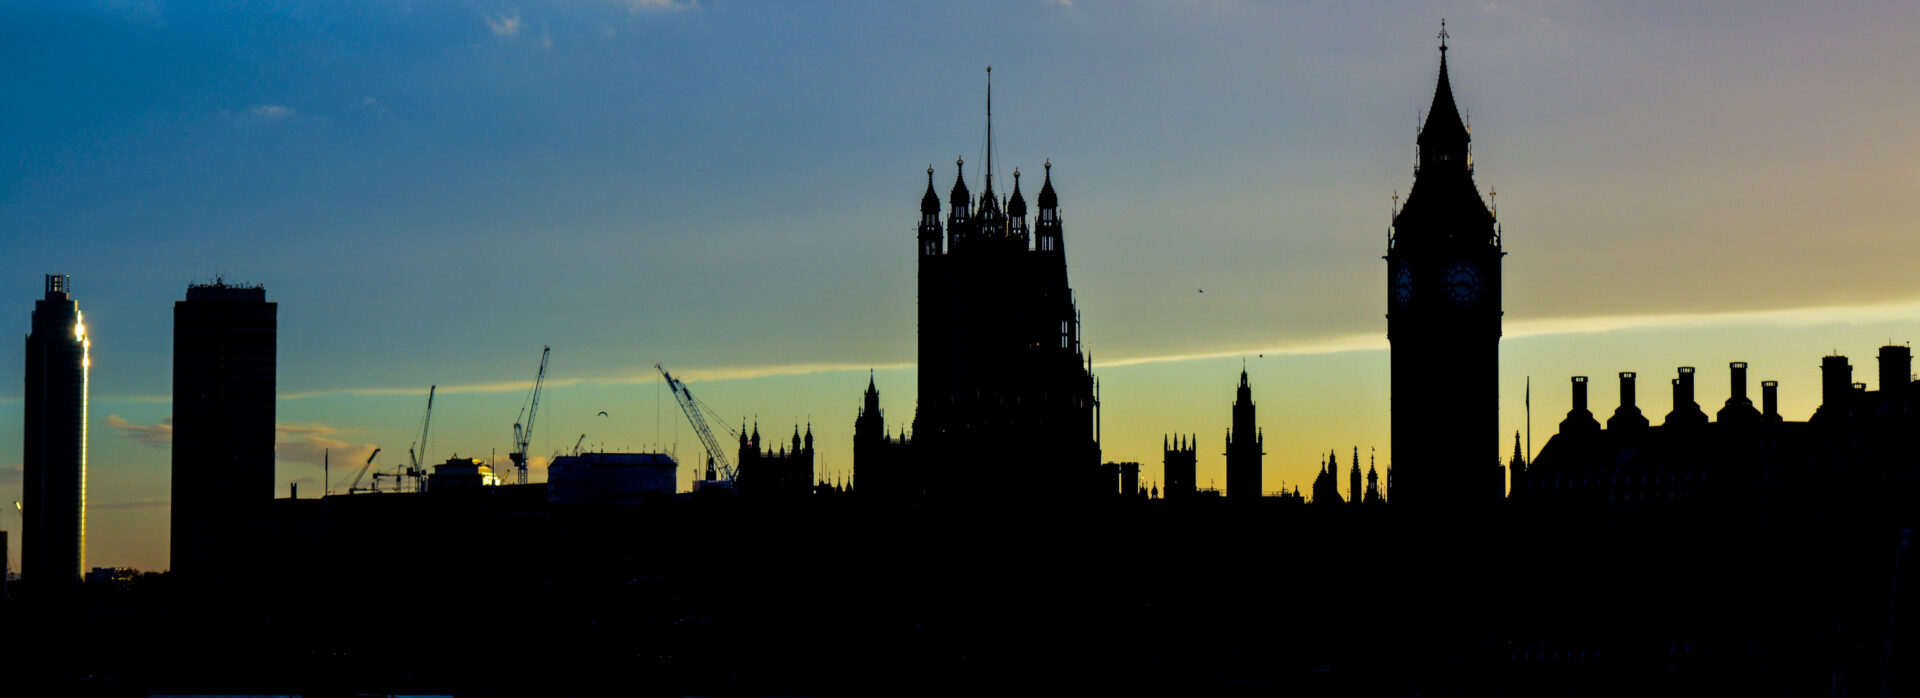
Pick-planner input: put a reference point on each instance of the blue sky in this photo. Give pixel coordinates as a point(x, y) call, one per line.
point(433, 191)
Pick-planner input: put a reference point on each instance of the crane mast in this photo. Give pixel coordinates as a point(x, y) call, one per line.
point(716, 456)
point(355, 487)
point(523, 437)
point(418, 470)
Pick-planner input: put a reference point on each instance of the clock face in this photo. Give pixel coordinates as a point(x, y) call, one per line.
point(1403, 285)
point(1463, 283)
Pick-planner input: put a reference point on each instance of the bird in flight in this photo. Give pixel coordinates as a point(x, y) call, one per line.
point(603, 413)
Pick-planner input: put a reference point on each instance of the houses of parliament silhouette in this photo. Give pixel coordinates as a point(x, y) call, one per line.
point(1741, 554)
point(1002, 375)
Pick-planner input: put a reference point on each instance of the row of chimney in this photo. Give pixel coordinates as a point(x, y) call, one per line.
point(1896, 365)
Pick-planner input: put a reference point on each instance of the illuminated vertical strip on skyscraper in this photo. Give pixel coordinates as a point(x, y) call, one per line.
point(53, 527)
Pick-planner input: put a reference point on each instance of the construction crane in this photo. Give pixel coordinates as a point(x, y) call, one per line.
point(523, 437)
point(417, 470)
point(355, 487)
point(716, 456)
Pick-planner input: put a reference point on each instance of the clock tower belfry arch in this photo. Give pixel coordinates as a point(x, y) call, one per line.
point(1443, 323)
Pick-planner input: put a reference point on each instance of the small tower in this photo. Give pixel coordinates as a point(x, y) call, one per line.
point(1353, 478)
point(1516, 468)
point(1047, 225)
point(1177, 466)
point(960, 215)
point(1245, 446)
point(930, 219)
point(1017, 214)
point(1373, 485)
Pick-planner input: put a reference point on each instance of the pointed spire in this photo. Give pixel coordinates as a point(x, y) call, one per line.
point(1048, 200)
point(989, 128)
point(1017, 206)
point(960, 196)
point(930, 202)
point(1444, 128)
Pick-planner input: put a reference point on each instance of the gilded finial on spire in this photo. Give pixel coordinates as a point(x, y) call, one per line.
point(1443, 38)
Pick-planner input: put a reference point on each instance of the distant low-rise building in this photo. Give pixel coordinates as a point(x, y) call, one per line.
point(615, 479)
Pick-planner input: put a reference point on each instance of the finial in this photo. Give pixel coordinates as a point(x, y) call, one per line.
point(1016, 176)
point(958, 162)
point(1049, 166)
point(1443, 38)
point(929, 173)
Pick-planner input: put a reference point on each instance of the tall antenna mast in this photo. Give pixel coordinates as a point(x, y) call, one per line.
point(989, 128)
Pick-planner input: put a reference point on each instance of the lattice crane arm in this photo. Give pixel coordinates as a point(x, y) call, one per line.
point(693, 409)
point(523, 437)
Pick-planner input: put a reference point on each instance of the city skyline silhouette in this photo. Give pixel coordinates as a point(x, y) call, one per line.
point(985, 509)
point(1278, 205)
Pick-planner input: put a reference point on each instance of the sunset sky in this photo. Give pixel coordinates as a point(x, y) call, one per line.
point(432, 191)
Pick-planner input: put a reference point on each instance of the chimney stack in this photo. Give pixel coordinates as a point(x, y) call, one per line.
point(1738, 408)
point(1685, 410)
point(1835, 377)
point(1579, 419)
point(1770, 400)
point(1628, 415)
point(1896, 370)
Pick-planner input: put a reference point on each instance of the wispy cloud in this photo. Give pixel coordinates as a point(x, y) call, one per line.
point(1543, 327)
point(307, 429)
point(315, 450)
point(155, 435)
point(506, 25)
point(370, 105)
point(272, 112)
point(634, 377)
point(658, 5)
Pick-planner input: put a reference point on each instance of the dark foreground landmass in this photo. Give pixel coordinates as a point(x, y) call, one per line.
point(509, 596)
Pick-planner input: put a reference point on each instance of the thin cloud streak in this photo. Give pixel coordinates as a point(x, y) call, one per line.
point(1371, 341)
point(1545, 327)
point(155, 435)
point(721, 373)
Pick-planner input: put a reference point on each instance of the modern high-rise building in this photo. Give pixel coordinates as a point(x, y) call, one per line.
point(53, 548)
point(1443, 323)
point(224, 349)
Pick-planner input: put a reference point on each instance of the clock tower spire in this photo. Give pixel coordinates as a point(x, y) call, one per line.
point(1443, 322)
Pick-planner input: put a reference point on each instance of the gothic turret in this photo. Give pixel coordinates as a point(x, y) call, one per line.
point(1245, 449)
point(929, 219)
point(961, 200)
point(1047, 225)
point(1353, 478)
point(1017, 213)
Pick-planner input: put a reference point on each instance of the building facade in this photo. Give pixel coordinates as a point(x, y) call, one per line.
point(1443, 323)
point(770, 472)
point(225, 351)
point(53, 546)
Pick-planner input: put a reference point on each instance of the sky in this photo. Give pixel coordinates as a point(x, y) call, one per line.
point(434, 191)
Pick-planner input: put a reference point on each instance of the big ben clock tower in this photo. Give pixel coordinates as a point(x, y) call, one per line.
point(1443, 323)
